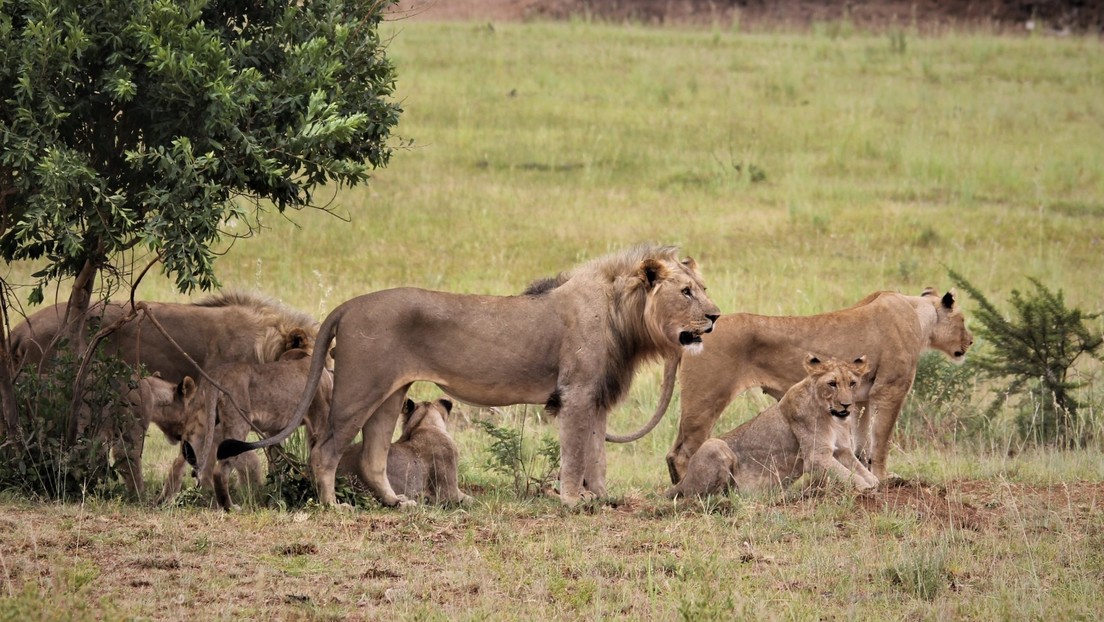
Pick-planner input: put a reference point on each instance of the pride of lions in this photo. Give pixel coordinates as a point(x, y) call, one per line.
point(234, 364)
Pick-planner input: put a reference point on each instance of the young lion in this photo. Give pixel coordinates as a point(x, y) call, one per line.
point(151, 400)
point(809, 431)
point(423, 462)
point(266, 393)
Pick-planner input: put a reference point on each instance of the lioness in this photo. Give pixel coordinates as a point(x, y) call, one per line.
point(748, 350)
point(266, 393)
point(808, 431)
point(572, 343)
point(422, 463)
point(225, 328)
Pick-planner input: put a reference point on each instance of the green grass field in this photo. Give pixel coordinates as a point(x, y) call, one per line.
point(802, 171)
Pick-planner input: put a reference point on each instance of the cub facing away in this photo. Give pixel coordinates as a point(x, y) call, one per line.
point(810, 430)
point(422, 463)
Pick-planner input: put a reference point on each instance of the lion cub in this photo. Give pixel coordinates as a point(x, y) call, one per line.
point(809, 431)
point(266, 393)
point(422, 463)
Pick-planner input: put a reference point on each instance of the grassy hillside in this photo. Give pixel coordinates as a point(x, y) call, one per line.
point(802, 172)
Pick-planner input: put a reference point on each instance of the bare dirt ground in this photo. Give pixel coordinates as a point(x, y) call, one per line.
point(1062, 16)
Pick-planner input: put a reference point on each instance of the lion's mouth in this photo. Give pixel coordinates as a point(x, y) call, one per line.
point(841, 414)
point(689, 338)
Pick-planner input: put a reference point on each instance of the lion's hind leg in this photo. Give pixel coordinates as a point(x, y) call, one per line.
point(703, 401)
point(709, 471)
point(328, 449)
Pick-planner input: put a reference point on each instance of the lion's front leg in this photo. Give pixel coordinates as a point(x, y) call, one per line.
point(861, 477)
point(594, 473)
point(575, 441)
point(883, 419)
point(129, 452)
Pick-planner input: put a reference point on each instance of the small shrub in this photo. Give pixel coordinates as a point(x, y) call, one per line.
point(44, 463)
point(939, 408)
point(289, 486)
point(530, 470)
point(1035, 352)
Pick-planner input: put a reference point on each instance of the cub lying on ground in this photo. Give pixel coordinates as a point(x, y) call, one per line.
point(423, 462)
point(809, 431)
point(266, 393)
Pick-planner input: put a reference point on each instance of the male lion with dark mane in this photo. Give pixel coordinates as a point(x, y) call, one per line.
point(748, 350)
point(571, 343)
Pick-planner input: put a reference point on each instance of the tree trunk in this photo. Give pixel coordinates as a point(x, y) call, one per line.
point(9, 421)
point(79, 299)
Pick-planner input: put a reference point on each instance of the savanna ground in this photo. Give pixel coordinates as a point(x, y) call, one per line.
point(803, 169)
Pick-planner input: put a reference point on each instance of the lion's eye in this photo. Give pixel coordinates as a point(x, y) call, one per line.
point(832, 383)
point(853, 384)
point(686, 291)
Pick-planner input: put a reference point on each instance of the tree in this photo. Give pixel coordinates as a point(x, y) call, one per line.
point(1037, 350)
point(145, 124)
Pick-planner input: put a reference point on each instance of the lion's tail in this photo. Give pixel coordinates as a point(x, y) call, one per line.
point(232, 447)
point(669, 372)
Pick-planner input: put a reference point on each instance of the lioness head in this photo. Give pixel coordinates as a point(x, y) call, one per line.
point(676, 310)
point(950, 335)
point(835, 382)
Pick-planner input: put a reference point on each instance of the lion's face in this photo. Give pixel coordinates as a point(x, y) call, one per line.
point(950, 335)
point(195, 430)
point(835, 383)
point(677, 305)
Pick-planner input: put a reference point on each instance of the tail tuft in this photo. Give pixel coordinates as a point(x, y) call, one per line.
point(231, 447)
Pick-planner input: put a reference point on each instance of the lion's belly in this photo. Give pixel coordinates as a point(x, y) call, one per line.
point(484, 394)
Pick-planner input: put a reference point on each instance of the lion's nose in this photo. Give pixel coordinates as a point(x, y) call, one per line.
point(845, 405)
point(712, 321)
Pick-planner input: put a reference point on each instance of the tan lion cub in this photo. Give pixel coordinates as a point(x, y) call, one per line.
point(423, 462)
point(809, 431)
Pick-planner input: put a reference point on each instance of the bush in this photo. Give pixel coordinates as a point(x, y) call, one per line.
point(530, 469)
point(43, 462)
point(939, 409)
point(1034, 353)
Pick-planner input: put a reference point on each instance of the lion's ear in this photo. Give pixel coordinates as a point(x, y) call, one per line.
point(812, 363)
point(651, 271)
point(948, 300)
point(860, 366)
point(296, 339)
point(690, 264)
point(187, 388)
point(929, 291)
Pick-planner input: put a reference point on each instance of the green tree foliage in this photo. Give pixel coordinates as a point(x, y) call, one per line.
point(142, 126)
point(1035, 352)
point(138, 122)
